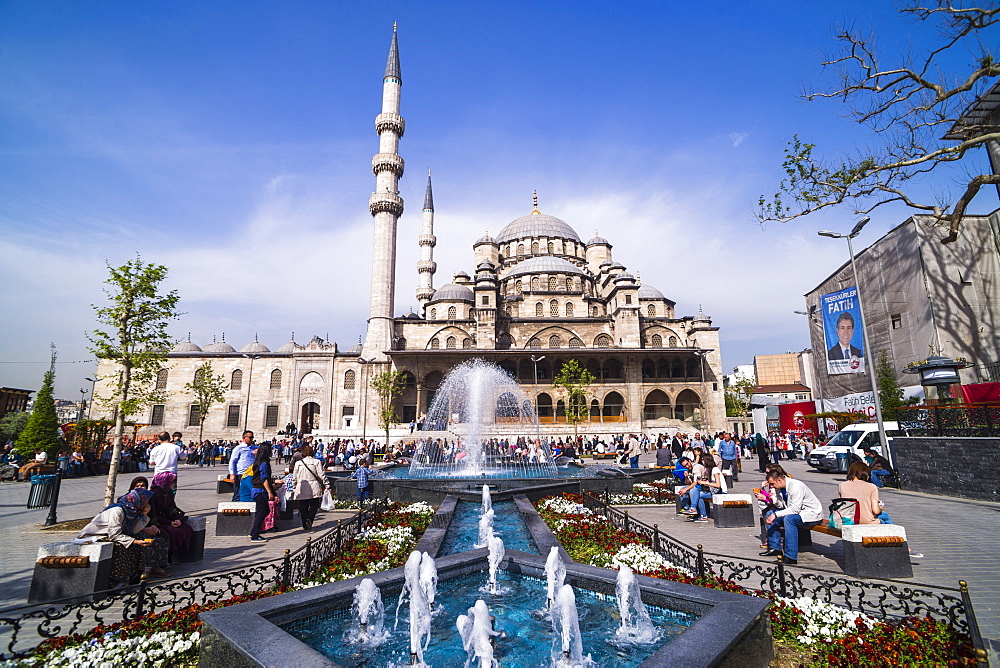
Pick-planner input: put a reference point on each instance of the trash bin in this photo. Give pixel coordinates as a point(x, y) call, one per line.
point(43, 489)
point(843, 462)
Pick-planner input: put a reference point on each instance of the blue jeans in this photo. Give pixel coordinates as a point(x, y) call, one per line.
point(876, 480)
point(883, 517)
point(261, 513)
point(792, 525)
point(364, 492)
point(633, 462)
point(702, 495)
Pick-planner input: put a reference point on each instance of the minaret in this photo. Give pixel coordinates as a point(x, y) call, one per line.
point(426, 266)
point(386, 206)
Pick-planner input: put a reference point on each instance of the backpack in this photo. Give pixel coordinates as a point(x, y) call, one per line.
point(844, 512)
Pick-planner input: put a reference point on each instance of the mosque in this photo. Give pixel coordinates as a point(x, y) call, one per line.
point(538, 296)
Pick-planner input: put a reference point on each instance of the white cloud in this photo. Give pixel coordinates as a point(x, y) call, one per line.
point(738, 138)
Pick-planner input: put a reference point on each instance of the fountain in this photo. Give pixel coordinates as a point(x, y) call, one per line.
point(637, 627)
point(485, 528)
point(496, 555)
point(555, 576)
point(368, 627)
point(476, 630)
point(428, 578)
point(487, 499)
point(567, 643)
point(474, 399)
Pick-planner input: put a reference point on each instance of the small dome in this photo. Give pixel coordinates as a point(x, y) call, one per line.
point(649, 292)
point(451, 292)
point(485, 265)
point(544, 264)
point(486, 239)
point(186, 347)
point(625, 276)
point(289, 348)
point(220, 347)
point(356, 349)
point(255, 347)
point(411, 316)
point(537, 225)
point(598, 241)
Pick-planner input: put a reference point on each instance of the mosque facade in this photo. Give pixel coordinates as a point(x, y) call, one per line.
point(537, 297)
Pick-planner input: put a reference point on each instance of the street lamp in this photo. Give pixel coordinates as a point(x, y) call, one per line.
point(246, 413)
point(535, 361)
point(90, 408)
point(364, 398)
point(864, 330)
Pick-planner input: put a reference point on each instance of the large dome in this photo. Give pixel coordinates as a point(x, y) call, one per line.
point(649, 292)
point(544, 264)
point(453, 293)
point(537, 225)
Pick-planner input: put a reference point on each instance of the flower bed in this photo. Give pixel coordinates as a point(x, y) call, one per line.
point(659, 492)
point(827, 634)
point(170, 638)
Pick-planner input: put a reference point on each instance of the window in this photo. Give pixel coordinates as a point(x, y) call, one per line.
point(534, 283)
point(554, 308)
point(517, 286)
point(451, 342)
point(199, 374)
point(271, 416)
point(466, 342)
point(569, 309)
point(510, 311)
point(552, 248)
point(569, 284)
point(651, 310)
point(434, 314)
point(161, 379)
point(452, 313)
point(156, 419)
point(233, 417)
point(602, 341)
point(575, 343)
point(435, 343)
point(534, 248)
point(800, 396)
point(347, 410)
point(520, 249)
point(656, 341)
point(555, 341)
point(897, 320)
point(193, 414)
point(486, 300)
point(349, 379)
point(236, 382)
point(597, 312)
point(276, 379)
point(535, 343)
point(539, 309)
point(552, 283)
point(628, 299)
point(672, 342)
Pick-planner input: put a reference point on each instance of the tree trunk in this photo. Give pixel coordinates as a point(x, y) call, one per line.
point(116, 453)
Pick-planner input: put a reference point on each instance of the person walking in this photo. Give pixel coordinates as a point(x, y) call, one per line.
point(634, 450)
point(310, 482)
point(730, 454)
point(241, 458)
point(262, 493)
point(165, 456)
point(763, 452)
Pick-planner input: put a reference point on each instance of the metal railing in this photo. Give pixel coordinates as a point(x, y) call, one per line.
point(23, 628)
point(878, 598)
point(981, 420)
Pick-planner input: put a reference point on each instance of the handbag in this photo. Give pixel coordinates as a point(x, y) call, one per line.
point(844, 512)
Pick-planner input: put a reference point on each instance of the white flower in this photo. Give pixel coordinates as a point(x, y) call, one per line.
point(639, 558)
point(824, 621)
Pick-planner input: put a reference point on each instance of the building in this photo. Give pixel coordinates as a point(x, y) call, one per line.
point(783, 376)
point(921, 296)
point(13, 400)
point(537, 296)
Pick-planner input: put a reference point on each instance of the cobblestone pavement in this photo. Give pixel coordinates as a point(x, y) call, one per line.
point(82, 498)
point(956, 536)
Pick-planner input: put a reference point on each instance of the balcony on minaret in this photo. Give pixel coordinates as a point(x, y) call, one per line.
point(385, 201)
point(427, 240)
point(390, 121)
point(429, 266)
point(387, 162)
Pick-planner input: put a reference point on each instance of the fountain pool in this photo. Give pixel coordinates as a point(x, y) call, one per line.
point(462, 532)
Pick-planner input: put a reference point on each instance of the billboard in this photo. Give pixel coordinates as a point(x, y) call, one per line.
point(792, 418)
point(843, 329)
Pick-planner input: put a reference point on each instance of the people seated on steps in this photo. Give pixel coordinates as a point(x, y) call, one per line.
point(795, 507)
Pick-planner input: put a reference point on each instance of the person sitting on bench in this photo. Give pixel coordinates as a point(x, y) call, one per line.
point(802, 510)
point(859, 488)
point(880, 466)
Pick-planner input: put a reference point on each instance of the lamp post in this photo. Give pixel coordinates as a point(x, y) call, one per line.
point(869, 358)
point(364, 398)
point(246, 413)
point(90, 408)
point(535, 361)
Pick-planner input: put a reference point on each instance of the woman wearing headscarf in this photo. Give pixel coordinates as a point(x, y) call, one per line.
point(166, 515)
point(125, 524)
point(262, 493)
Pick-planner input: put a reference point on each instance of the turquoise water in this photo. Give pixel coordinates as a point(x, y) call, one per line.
point(463, 532)
point(526, 639)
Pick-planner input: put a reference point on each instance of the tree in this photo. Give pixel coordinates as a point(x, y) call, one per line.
point(12, 424)
point(574, 380)
point(890, 394)
point(208, 391)
point(91, 433)
point(738, 397)
point(136, 339)
point(388, 385)
point(41, 432)
point(915, 110)
point(841, 418)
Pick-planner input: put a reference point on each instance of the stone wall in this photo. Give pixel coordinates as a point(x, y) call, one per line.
point(963, 467)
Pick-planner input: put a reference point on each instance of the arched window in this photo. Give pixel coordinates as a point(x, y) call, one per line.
point(517, 286)
point(656, 341)
point(504, 342)
point(466, 342)
point(687, 402)
point(595, 411)
point(510, 311)
point(434, 314)
point(555, 341)
point(520, 249)
point(552, 283)
point(161, 379)
point(569, 284)
point(435, 343)
point(535, 343)
point(651, 310)
point(534, 283)
point(199, 374)
point(602, 341)
point(575, 343)
point(672, 342)
point(569, 309)
point(539, 309)
point(596, 311)
point(451, 342)
point(552, 248)
point(349, 379)
point(545, 406)
point(452, 313)
point(648, 369)
point(612, 370)
point(554, 308)
point(534, 248)
point(276, 379)
point(614, 407)
point(236, 382)
point(657, 406)
point(401, 343)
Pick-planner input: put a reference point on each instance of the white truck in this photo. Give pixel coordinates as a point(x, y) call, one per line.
point(852, 439)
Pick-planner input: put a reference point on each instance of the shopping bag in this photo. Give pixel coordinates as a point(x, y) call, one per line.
point(272, 517)
point(327, 503)
point(844, 512)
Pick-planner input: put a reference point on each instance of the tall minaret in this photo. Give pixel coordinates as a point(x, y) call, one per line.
point(426, 266)
point(386, 206)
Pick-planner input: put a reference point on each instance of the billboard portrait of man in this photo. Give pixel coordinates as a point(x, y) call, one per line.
point(843, 350)
point(843, 329)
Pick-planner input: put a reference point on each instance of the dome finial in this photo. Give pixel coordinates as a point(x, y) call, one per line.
point(394, 26)
point(189, 337)
point(293, 337)
point(534, 197)
point(223, 337)
point(255, 338)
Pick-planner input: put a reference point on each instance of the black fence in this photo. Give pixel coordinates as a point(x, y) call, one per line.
point(950, 420)
point(23, 628)
point(877, 598)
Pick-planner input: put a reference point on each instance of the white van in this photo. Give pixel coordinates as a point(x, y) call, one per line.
point(851, 439)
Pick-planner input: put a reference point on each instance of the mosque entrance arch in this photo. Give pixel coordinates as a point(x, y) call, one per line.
point(309, 419)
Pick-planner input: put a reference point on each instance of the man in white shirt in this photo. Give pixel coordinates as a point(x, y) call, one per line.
point(164, 457)
point(802, 512)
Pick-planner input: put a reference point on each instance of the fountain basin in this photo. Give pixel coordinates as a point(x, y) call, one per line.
point(728, 629)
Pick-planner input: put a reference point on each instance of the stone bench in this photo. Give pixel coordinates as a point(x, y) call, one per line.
point(734, 510)
point(605, 455)
point(68, 570)
point(234, 518)
point(196, 550)
point(876, 551)
point(223, 485)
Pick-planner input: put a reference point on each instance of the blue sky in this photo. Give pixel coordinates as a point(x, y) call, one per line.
point(231, 141)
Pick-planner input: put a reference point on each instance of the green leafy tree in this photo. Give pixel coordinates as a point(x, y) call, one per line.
point(208, 391)
point(738, 397)
point(91, 433)
point(912, 110)
point(12, 424)
point(136, 339)
point(388, 385)
point(574, 380)
point(890, 394)
point(41, 432)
